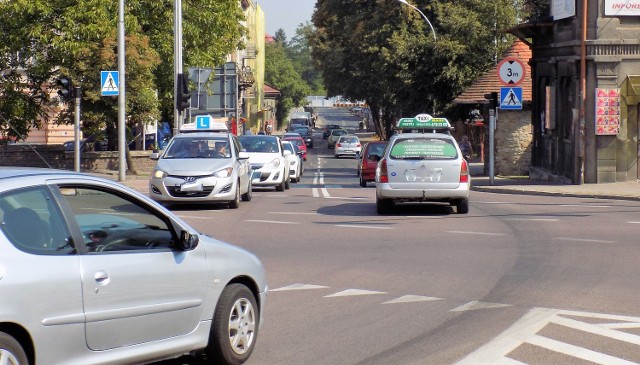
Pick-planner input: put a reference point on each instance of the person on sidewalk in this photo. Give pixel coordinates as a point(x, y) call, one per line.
point(465, 148)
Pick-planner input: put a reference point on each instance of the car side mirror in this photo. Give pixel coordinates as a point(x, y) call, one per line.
point(154, 156)
point(188, 241)
point(243, 155)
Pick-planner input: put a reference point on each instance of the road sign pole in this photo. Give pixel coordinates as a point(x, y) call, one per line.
point(122, 162)
point(492, 127)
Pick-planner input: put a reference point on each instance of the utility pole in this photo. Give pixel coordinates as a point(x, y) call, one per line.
point(122, 162)
point(177, 64)
point(77, 93)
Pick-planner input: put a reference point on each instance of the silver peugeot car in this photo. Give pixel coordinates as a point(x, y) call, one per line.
point(423, 163)
point(92, 272)
point(202, 167)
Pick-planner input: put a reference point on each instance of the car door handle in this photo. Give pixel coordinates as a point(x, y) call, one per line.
point(101, 277)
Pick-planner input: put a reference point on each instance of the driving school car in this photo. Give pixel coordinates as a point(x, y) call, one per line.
point(202, 167)
point(423, 163)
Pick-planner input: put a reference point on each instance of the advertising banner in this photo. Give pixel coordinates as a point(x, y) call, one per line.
point(607, 112)
point(622, 7)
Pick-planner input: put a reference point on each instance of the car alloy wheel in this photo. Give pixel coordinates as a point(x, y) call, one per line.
point(235, 326)
point(246, 197)
point(11, 353)
point(235, 203)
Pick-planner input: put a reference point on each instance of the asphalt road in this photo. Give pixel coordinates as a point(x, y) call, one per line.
point(519, 280)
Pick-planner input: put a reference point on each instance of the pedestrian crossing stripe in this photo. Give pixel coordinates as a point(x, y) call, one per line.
point(511, 98)
point(109, 82)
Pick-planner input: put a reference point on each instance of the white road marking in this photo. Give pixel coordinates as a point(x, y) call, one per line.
point(582, 240)
point(533, 219)
point(474, 305)
point(361, 226)
point(526, 330)
point(354, 292)
point(632, 222)
point(584, 206)
point(476, 202)
point(299, 287)
point(412, 299)
point(295, 213)
point(265, 221)
point(477, 233)
point(318, 178)
point(576, 351)
point(195, 217)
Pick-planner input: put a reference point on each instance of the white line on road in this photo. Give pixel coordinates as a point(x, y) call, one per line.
point(632, 222)
point(576, 351)
point(194, 217)
point(361, 226)
point(295, 213)
point(265, 221)
point(584, 206)
point(533, 219)
point(477, 233)
point(582, 240)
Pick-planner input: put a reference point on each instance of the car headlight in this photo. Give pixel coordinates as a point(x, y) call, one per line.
point(274, 164)
point(159, 174)
point(224, 172)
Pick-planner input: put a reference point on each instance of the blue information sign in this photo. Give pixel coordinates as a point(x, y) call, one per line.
point(510, 98)
point(110, 83)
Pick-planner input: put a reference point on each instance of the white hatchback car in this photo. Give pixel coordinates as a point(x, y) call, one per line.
point(347, 145)
point(267, 159)
point(425, 165)
point(92, 272)
point(294, 160)
point(202, 167)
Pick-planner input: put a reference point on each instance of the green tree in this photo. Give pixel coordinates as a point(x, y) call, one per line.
point(280, 73)
point(384, 52)
point(299, 51)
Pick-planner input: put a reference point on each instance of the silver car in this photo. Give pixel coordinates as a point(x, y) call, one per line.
point(202, 167)
point(92, 272)
point(347, 145)
point(422, 167)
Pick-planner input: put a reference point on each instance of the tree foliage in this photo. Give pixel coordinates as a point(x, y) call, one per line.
point(78, 38)
point(384, 52)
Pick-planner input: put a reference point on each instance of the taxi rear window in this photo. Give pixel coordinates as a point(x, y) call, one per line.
point(423, 149)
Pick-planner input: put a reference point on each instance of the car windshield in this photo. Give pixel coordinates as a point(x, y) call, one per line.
point(349, 140)
point(198, 147)
point(260, 144)
point(423, 149)
point(339, 132)
point(296, 141)
point(288, 147)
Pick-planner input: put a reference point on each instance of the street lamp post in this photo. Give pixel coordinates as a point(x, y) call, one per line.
point(424, 16)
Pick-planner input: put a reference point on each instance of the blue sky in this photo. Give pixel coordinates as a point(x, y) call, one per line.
point(286, 14)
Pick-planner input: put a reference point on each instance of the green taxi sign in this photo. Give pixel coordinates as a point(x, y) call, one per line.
point(423, 121)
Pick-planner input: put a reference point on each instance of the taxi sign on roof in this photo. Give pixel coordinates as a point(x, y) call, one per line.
point(423, 121)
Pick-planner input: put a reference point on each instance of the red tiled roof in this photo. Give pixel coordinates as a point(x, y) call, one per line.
point(489, 82)
point(270, 90)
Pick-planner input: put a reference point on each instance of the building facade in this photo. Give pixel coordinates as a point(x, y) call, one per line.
point(586, 90)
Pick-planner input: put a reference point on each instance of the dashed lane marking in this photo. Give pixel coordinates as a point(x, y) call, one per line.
point(265, 221)
point(299, 286)
point(474, 305)
point(412, 299)
point(533, 219)
point(582, 240)
point(477, 233)
point(354, 292)
point(361, 226)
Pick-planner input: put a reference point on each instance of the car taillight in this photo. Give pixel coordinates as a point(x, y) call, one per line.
point(382, 171)
point(358, 145)
point(464, 172)
point(338, 145)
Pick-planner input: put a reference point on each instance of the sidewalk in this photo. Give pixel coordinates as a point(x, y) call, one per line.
point(629, 190)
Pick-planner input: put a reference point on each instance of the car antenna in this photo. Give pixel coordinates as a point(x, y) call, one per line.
point(28, 144)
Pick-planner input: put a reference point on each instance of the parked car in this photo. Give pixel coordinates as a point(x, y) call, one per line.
point(347, 145)
point(267, 159)
point(194, 169)
point(296, 139)
point(306, 133)
point(368, 161)
point(334, 136)
point(326, 131)
point(294, 160)
point(422, 167)
point(116, 278)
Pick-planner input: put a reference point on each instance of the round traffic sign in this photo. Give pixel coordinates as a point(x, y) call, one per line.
point(511, 71)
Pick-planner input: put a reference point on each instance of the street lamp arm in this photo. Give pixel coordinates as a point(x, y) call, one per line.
point(424, 16)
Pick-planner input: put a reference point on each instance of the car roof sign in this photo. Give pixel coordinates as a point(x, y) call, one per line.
point(212, 126)
point(423, 121)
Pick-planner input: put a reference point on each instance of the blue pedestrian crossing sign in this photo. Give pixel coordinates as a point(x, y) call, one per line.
point(110, 83)
point(511, 98)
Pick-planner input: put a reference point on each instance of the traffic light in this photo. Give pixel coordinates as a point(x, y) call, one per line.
point(66, 88)
point(493, 99)
point(183, 96)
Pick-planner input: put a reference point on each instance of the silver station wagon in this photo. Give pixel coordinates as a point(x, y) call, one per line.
point(92, 272)
point(423, 163)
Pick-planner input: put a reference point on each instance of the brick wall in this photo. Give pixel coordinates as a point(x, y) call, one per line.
point(56, 157)
point(513, 141)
